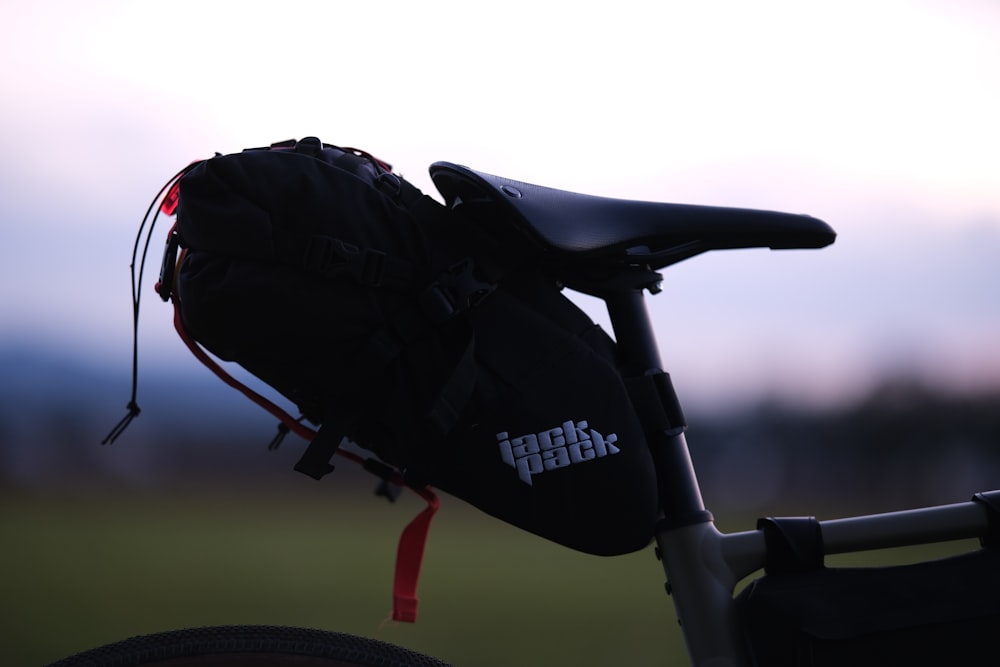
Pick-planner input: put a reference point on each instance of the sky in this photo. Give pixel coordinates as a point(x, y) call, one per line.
point(880, 117)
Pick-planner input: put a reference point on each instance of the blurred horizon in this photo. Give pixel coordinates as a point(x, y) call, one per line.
point(902, 443)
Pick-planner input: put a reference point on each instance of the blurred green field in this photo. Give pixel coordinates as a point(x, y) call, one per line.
point(82, 569)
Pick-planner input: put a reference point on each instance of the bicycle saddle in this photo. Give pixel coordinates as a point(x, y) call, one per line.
point(654, 233)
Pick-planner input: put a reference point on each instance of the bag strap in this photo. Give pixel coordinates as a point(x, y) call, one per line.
point(794, 544)
point(410, 557)
point(449, 295)
point(315, 462)
point(447, 408)
point(333, 259)
point(382, 347)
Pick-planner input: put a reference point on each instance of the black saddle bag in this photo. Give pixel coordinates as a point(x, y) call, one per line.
point(942, 612)
point(387, 319)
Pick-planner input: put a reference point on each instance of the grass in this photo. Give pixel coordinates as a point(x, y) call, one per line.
point(83, 569)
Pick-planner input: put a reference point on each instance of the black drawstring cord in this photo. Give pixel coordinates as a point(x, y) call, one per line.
point(132, 406)
point(133, 412)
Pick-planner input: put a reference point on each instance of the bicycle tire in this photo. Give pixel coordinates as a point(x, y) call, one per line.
point(249, 646)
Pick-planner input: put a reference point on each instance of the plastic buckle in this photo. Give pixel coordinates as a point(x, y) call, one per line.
point(472, 290)
point(455, 291)
point(164, 286)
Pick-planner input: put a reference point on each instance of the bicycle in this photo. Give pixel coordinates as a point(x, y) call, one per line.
point(613, 249)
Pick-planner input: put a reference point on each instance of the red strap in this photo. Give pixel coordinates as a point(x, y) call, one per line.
point(409, 558)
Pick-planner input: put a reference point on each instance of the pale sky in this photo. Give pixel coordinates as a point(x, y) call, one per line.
point(878, 116)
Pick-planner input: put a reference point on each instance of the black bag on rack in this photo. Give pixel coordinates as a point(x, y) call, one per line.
point(434, 341)
point(942, 612)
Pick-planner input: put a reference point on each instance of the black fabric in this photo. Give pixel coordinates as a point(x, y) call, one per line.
point(252, 291)
point(990, 500)
point(794, 544)
point(551, 436)
point(943, 612)
point(421, 335)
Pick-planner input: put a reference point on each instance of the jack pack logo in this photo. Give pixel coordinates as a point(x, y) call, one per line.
point(569, 444)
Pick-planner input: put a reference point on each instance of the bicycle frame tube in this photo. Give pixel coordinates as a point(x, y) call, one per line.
point(699, 577)
point(746, 551)
point(703, 565)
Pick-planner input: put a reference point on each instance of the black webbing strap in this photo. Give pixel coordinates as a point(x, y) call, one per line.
point(444, 414)
point(453, 292)
point(794, 544)
point(991, 501)
point(439, 420)
point(331, 258)
point(427, 211)
point(370, 363)
point(655, 402)
point(344, 410)
point(315, 461)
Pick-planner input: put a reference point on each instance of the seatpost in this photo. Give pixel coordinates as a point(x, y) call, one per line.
point(688, 543)
point(680, 494)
